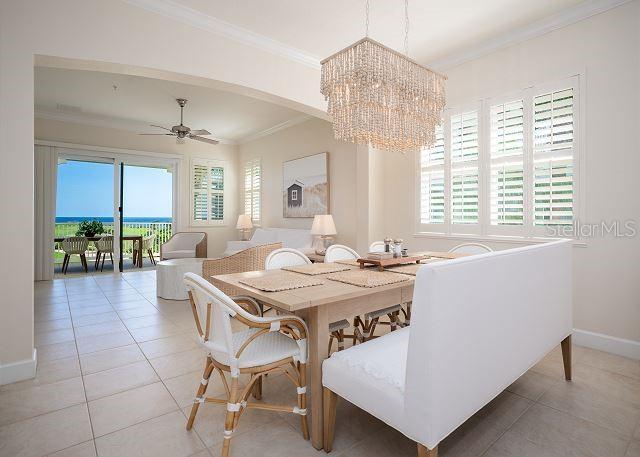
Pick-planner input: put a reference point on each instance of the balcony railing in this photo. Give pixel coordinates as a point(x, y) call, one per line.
point(162, 230)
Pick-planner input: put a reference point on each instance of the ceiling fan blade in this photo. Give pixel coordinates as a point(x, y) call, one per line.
point(200, 132)
point(160, 127)
point(154, 134)
point(204, 140)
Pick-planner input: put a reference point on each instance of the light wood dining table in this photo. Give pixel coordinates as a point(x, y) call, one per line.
point(318, 306)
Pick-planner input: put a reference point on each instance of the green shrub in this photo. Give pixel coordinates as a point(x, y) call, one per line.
point(90, 228)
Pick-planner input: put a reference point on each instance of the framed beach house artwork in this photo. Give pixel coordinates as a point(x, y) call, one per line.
point(306, 186)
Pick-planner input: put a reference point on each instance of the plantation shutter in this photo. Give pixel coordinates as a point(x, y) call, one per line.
point(464, 168)
point(432, 182)
point(207, 192)
point(507, 158)
point(200, 193)
point(553, 137)
point(252, 183)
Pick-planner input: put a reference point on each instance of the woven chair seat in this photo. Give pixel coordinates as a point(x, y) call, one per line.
point(339, 325)
point(265, 349)
point(383, 312)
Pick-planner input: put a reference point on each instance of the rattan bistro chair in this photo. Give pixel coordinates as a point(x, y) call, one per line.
point(288, 257)
point(371, 320)
point(75, 245)
point(270, 344)
point(104, 246)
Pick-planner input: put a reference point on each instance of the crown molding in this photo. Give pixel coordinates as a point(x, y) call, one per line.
point(195, 18)
point(101, 121)
point(276, 128)
point(564, 18)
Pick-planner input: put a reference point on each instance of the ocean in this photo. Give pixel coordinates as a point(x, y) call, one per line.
point(72, 219)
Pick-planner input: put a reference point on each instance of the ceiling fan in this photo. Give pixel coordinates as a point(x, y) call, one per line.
point(182, 131)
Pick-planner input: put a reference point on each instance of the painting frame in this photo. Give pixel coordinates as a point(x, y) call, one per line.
point(305, 186)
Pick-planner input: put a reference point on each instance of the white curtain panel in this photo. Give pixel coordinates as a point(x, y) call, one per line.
point(46, 167)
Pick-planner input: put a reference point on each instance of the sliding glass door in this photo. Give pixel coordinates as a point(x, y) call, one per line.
point(131, 198)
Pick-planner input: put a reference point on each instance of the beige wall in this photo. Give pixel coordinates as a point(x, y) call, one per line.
point(217, 236)
point(311, 137)
point(606, 49)
point(126, 39)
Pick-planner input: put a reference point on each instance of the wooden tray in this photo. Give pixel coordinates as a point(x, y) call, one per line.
point(384, 263)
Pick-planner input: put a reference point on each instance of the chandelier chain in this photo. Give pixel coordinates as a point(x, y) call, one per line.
point(367, 18)
point(406, 27)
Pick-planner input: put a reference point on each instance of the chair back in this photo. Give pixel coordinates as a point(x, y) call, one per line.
point(285, 257)
point(470, 248)
point(75, 245)
point(185, 240)
point(105, 244)
point(213, 311)
point(340, 252)
point(147, 242)
point(377, 246)
point(479, 323)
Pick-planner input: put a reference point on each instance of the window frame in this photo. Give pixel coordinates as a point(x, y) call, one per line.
point(209, 163)
point(484, 230)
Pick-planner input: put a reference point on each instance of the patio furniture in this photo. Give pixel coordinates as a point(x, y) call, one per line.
point(170, 275)
point(428, 379)
point(147, 246)
point(104, 246)
point(133, 238)
point(471, 249)
point(371, 319)
point(184, 245)
point(300, 239)
point(287, 257)
point(268, 345)
point(75, 245)
point(248, 260)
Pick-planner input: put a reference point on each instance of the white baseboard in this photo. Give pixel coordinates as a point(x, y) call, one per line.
point(606, 343)
point(18, 371)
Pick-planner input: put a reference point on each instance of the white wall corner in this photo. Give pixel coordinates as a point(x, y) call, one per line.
point(18, 371)
point(606, 343)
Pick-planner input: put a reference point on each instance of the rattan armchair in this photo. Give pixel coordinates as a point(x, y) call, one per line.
point(251, 259)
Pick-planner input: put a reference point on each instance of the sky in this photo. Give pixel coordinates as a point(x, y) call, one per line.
point(86, 189)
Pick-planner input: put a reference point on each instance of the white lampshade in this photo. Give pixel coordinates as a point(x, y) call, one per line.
point(323, 225)
point(244, 222)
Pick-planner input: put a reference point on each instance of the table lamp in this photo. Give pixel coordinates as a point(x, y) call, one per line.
point(244, 224)
point(324, 227)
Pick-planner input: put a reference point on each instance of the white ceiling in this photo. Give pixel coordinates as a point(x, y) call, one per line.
point(90, 97)
point(437, 28)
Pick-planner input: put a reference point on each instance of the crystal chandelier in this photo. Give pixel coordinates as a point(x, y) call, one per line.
point(380, 97)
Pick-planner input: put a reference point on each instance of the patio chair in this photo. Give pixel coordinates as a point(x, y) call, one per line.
point(75, 245)
point(372, 319)
point(147, 246)
point(104, 246)
point(268, 345)
point(288, 257)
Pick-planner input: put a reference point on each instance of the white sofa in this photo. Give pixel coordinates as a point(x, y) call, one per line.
point(478, 324)
point(299, 239)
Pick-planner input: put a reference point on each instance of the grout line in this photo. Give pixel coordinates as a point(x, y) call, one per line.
point(84, 390)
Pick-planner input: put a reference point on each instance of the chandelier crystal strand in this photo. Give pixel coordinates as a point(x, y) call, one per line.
point(406, 28)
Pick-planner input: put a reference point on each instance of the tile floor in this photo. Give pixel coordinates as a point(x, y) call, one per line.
point(118, 369)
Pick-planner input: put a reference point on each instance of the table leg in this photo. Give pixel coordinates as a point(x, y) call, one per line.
point(140, 256)
point(318, 324)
